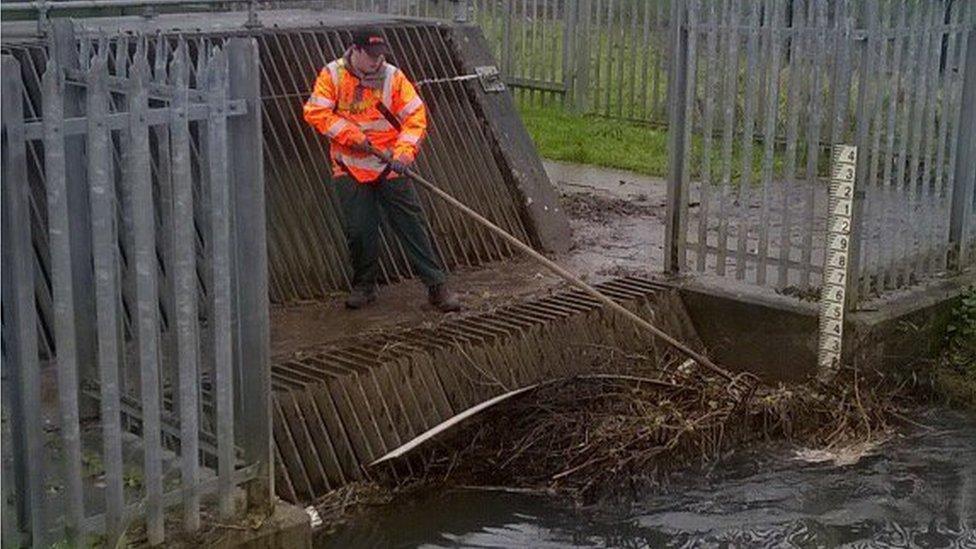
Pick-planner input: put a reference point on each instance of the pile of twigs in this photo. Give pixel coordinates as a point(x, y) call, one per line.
point(589, 436)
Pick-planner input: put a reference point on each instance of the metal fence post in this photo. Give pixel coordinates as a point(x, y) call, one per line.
point(251, 323)
point(570, 18)
point(862, 139)
point(21, 368)
point(65, 50)
point(677, 91)
point(580, 43)
point(964, 186)
point(507, 50)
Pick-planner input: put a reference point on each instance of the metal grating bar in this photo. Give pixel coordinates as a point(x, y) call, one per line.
point(343, 405)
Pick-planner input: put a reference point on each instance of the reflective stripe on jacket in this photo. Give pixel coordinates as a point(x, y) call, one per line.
point(347, 116)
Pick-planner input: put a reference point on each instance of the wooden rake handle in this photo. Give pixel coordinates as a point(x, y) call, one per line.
point(561, 272)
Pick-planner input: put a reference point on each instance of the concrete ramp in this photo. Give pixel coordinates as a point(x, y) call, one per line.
point(340, 407)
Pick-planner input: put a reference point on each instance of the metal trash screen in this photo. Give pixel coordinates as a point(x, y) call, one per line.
point(307, 253)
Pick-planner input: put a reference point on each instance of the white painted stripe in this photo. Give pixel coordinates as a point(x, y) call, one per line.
point(388, 84)
point(410, 108)
point(334, 72)
point(364, 162)
point(376, 125)
point(320, 101)
point(336, 127)
point(408, 138)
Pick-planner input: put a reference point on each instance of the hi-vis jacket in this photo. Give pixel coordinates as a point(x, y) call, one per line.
point(394, 118)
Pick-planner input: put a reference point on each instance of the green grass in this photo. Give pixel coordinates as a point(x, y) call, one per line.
point(641, 148)
point(585, 139)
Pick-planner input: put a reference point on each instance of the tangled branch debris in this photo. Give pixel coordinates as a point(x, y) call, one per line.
point(589, 437)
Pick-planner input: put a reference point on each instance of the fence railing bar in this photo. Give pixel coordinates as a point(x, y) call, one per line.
point(948, 87)
point(117, 83)
point(890, 185)
point(907, 136)
point(536, 44)
point(753, 257)
point(595, 38)
point(221, 285)
point(929, 146)
point(731, 64)
point(62, 288)
point(107, 290)
point(641, 101)
point(658, 72)
point(168, 372)
point(773, 45)
point(120, 120)
point(918, 141)
point(186, 289)
point(871, 264)
point(962, 159)
point(840, 46)
point(249, 272)
point(744, 188)
point(677, 146)
point(621, 55)
point(817, 16)
point(610, 58)
point(169, 422)
point(21, 367)
point(866, 88)
point(691, 79)
point(632, 62)
point(568, 59)
point(137, 157)
point(796, 57)
point(172, 498)
point(712, 81)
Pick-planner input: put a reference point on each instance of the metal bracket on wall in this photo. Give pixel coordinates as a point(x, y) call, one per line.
point(491, 79)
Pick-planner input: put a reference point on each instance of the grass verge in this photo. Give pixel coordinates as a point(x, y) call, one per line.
point(568, 137)
point(637, 147)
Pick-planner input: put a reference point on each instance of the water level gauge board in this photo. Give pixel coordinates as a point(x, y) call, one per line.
point(840, 205)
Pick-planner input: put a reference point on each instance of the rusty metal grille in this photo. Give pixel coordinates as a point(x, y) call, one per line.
point(338, 408)
point(306, 245)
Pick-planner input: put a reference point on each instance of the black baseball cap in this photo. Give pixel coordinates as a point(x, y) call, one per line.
point(372, 40)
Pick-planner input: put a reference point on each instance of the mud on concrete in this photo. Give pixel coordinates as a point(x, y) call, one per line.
point(617, 219)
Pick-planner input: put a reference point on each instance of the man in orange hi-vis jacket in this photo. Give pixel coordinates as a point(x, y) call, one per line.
point(361, 101)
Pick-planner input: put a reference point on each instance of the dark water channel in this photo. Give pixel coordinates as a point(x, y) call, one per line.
point(918, 490)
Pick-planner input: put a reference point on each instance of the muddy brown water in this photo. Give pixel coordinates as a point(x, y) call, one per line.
point(918, 490)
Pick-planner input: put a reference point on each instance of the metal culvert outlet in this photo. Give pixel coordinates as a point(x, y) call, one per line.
point(339, 407)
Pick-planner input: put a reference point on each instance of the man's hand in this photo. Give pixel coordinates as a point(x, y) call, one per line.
point(401, 163)
point(364, 145)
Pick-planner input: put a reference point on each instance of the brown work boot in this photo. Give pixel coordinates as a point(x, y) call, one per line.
point(442, 298)
point(361, 297)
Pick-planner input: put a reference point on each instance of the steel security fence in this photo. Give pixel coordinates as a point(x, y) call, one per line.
point(122, 212)
point(765, 87)
point(604, 57)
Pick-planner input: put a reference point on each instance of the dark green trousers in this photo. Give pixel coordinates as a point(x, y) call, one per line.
point(362, 207)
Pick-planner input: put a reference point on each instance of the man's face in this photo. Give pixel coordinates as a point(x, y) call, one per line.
point(365, 63)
